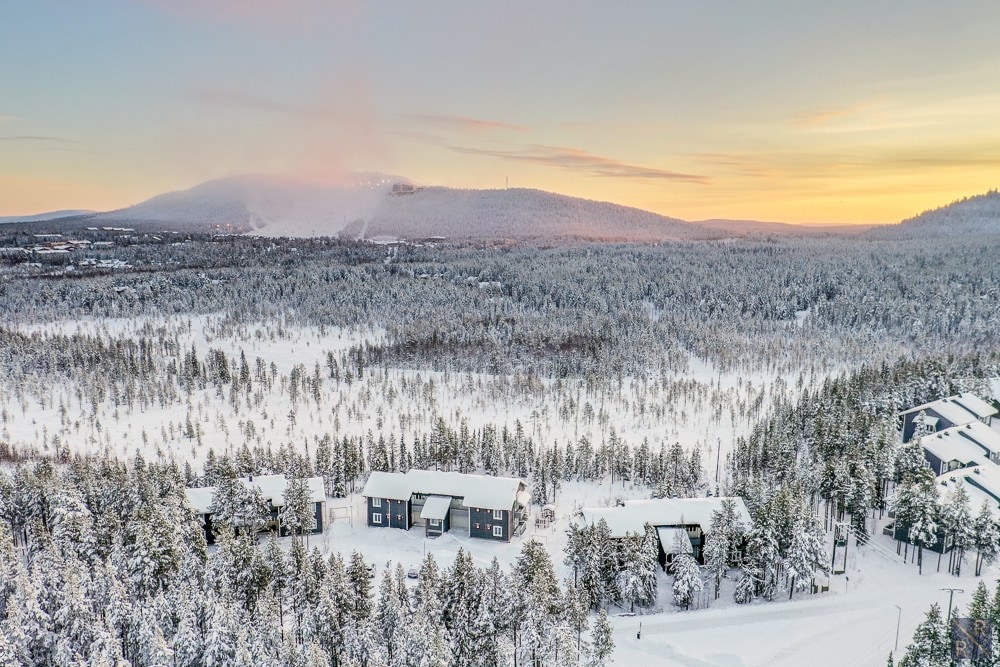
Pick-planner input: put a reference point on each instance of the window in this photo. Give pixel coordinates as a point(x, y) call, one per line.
point(434, 522)
point(497, 531)
point(498, 515)
point(477, 526)
point(376, 502)
point(376, 518)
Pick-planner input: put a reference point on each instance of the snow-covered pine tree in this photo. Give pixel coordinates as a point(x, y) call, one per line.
point(360, 587)
point(807, 553)
point(930, 645)
point(956, 517)
point(687, 580)
point(985, 537)
point(924, 528)
point(602, 643)
point(297, 516)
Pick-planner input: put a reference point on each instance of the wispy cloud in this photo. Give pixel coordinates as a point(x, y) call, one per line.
point(819, 117)
point(7, 118)
point(462, 123)
point(574, 159)
point(39, 138)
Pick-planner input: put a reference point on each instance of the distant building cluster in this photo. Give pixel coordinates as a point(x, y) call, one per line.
point(960, 440)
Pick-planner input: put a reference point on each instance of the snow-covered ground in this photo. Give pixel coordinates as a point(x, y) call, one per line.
point(852, 624)
point(701, 408)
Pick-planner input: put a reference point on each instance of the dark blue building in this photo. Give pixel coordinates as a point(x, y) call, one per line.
point(492, 508)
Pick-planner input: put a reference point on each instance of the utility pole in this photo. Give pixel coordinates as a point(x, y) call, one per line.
point(951, 594)
point(899, 617)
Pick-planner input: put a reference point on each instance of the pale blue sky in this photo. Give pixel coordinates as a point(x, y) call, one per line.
point(799, 111)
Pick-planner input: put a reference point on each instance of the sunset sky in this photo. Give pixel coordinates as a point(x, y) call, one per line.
point(792, 110)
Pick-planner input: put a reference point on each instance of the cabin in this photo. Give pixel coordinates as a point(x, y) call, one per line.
point(681, 524)
point(963, 446)
point(982, 484)
point(947, 412)
point(491, 508)
point(272, 488)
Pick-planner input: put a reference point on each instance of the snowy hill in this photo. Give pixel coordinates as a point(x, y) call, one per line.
point(517, 214)
point(979, 215)
point(366, 209)
point(43, 217)
point(262, 204)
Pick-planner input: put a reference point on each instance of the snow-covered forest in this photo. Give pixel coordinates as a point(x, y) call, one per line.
point(766, 368)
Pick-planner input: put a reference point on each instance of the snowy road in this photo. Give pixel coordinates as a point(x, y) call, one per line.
point(856, 627)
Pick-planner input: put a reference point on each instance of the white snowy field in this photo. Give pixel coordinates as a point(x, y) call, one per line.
point(701, 408)
point(853, 624)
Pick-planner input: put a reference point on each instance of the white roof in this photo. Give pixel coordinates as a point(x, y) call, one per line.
point(272, 487)
point(981, 434)
point(959, 409)
point(481, 491)
point(317, 489)
point(436, 507)
point(948, 445)
point(200, 499)
point(674, 540)
point(391, 485)
point(975, 405)
point(633, 516)
point(981, 483)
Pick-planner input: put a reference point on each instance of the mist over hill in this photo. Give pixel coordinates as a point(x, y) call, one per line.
point(258, 204)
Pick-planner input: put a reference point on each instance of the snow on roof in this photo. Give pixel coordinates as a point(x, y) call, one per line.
point(436, 507)
point(959, 409)
point(633, 516)
point(674, 540)
point(200, 499)
point(272, 487)
point(481, 491)
point(981, 434)
point(982, 483)
point(950, 445)
point(975, 405)
point(317, 489)
point(391, 485)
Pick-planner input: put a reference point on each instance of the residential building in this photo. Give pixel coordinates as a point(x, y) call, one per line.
point(682, 524)
point(493, 508)
point(272, 488)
